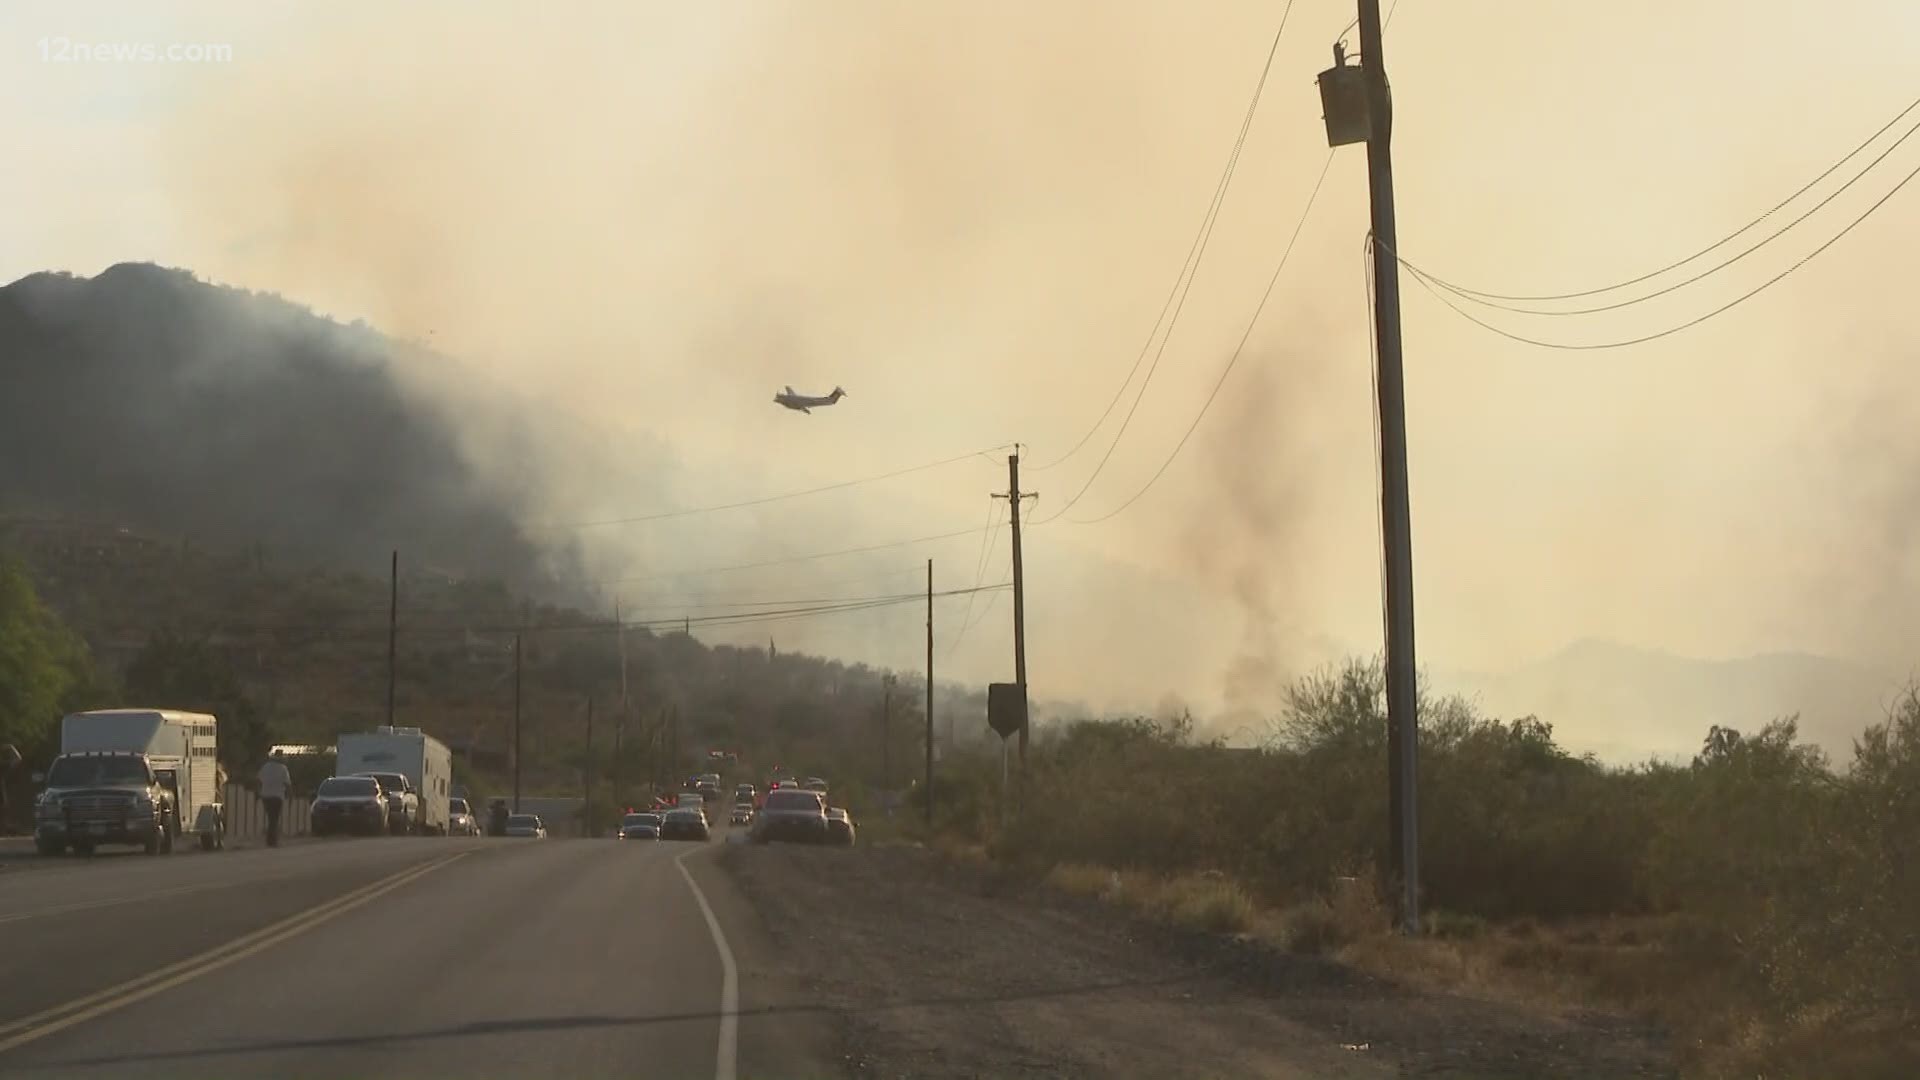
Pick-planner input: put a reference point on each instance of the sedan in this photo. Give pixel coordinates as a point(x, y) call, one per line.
point(460, 819)
point(684, 825)
point(839, 827)
point(526, 825)
point(348, 804)
point(742, 813)
point(639, 827)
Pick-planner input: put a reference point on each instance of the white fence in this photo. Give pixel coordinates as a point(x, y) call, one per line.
point(247, 815)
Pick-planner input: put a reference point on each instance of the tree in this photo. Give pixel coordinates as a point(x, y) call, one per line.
point(175, 672)
point(43, 665)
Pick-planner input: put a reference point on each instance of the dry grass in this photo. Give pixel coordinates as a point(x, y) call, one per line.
point(1209, 902)
point(1081, 879)
point(1351, 911)
point(963, 851)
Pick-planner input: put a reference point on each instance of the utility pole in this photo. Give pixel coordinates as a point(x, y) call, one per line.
point(1359, 107)
point(1013, 497)
point(886, 732)
point(393, 630)
point(620, 721)
point(516, 723)
point(586, 805)
point(927, 795)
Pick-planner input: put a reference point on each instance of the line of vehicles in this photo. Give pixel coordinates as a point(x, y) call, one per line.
point(151, 778)
point(789, 810)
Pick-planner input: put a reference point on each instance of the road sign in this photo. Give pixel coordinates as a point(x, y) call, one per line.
point(1006, 708)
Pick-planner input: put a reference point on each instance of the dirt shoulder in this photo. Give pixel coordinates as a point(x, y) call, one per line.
point(936, 969)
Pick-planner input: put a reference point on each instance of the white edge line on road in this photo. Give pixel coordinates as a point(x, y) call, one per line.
point(726, 1058)
point(214, 959)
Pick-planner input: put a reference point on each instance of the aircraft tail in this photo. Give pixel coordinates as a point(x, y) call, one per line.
point(838, 393)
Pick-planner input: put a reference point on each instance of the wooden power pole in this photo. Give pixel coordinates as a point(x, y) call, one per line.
point(393, 631)
point(1358, 107)
point(927, 795)
point(1013, 497)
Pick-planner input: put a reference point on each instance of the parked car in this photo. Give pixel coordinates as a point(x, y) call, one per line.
point(102, 797)
point(460, 819)
point(526, 825)
point(685, 824)
point(348, 804)
point(839, 827)
point(639, 827)
point(792, 814)
point(403, 802)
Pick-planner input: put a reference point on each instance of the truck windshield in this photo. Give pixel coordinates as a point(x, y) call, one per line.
point(87, 771)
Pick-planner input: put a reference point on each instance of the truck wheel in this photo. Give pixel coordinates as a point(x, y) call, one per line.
point(206, 841)
point(82, 847)
point(44, 848)
point(152, 846)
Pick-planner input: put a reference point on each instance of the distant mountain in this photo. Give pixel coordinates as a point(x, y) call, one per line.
point(145, 397)
point(1625, 703)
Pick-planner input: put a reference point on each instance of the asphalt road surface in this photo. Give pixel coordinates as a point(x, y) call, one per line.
point(403, 957)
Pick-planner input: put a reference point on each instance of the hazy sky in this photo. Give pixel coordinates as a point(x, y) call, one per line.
point(649, 217)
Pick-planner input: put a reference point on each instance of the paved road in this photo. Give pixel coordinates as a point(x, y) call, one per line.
point(403, 956)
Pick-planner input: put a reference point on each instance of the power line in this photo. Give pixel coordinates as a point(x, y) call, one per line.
point(733, 618)
point(1690, 323)
point(763, 500)
point(672, 595)
point(1195, 252)
point(793, 558)
point(1716, 245)
point(979, 567)
point(1475, 297)
point(1231, 360)
point(1384, 23)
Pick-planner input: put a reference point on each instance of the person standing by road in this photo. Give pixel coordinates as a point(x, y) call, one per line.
point(274, 782)
point(9, 758)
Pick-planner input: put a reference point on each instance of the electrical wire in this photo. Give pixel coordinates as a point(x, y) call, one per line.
point(1367, 258)
point(731, 618)
point(1196, 251)
point(1231, 360)
point(987, 534)
point(1341, 37)
point(1475, 297)
point(763, 500)
point(1690, 323)
point(792, 558)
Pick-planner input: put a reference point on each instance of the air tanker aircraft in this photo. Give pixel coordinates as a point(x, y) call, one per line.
point(805, 404)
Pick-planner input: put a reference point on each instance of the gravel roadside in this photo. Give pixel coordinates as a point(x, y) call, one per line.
point(934, 969)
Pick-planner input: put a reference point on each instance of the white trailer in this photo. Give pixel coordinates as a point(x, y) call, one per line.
point(424, 760)
point(181, 747)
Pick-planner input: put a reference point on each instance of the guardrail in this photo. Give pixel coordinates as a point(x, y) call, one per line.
point(247, 815)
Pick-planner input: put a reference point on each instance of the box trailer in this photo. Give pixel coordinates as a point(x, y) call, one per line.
point(424, 760)
point(182, 748)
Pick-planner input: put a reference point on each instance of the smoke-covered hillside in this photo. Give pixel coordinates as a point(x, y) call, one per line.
point(145, 397)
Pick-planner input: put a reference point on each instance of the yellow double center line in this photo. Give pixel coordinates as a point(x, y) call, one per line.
point(15, 1033)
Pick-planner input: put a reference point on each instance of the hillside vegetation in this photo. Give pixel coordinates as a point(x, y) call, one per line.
point(1757, 900)
point(299, 654)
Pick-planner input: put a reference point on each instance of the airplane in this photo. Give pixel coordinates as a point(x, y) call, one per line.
point(801, 402)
